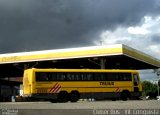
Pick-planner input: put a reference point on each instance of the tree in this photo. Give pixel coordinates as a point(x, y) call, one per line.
point(149, 89)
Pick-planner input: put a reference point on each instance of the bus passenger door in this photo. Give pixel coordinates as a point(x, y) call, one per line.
point(135, 83)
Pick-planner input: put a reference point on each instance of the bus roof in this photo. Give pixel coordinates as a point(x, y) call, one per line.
point(82, 70)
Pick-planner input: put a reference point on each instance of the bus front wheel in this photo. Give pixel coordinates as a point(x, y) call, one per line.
point(124, 95)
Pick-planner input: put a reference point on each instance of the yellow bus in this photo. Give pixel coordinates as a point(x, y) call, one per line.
point(73, 84)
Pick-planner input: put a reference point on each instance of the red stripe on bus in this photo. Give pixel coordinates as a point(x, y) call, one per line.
point(53, 87)
point(118, 89)
point(57, 89)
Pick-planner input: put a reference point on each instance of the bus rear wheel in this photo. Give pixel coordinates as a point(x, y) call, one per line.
point(63, 96)
point(74, 96)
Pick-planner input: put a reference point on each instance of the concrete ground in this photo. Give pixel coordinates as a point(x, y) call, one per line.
point(82, 107)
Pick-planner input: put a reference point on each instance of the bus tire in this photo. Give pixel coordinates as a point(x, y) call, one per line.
point(62, 96)
point(113, 99)
point(74, 96)
point(124, 95)
point(53, 101)
point(137, 98)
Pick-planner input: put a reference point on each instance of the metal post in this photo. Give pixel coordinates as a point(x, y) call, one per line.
point(26, 66)
point(101, 43)
point(158, 89)
point(103, 62)
point(0, 91)
point(158, 73)
point(13, 93)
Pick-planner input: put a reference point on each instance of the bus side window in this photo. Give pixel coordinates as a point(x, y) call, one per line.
point(41, 76)
point(53, 76)
point(86, 77)
point(83, 76)
point(61, 77)
point(70, 76)
point(125, 77)
point(129, 77)
point(78, 77)
point(49, 76)
point(112, 76)
point(89, 77)
point(99, 76)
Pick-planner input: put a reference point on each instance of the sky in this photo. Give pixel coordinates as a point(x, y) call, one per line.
point(31, 25)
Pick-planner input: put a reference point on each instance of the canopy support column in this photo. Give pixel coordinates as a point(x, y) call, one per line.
point(103, 63)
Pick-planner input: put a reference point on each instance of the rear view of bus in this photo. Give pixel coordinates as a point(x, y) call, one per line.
point(28, 83)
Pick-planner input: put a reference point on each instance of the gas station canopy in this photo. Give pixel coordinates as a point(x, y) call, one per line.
point(105, 57)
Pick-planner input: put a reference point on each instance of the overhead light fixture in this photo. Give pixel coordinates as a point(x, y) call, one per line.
point(15, 64)
point(54, 61)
